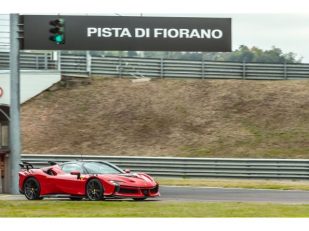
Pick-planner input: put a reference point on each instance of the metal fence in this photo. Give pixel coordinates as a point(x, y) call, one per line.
point(194, 167)
point(157, 68)
point(30, 61)
point(4, 33)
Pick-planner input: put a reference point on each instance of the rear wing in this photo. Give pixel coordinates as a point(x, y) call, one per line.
point(27, 165)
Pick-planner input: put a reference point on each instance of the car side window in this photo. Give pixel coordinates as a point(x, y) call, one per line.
point(51, 172)
point(72, 167)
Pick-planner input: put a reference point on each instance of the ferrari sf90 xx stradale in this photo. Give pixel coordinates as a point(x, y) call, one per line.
point(93, 180)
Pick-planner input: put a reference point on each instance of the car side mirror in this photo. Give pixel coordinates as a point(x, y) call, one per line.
point(127, 171)
point(76, 173)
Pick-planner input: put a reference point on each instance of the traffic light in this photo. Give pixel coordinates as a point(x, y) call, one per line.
point(57, 31)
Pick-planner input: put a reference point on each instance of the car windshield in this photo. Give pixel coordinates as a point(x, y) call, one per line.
point(100, 168)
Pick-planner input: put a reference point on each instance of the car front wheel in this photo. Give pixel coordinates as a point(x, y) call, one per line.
point(94, 190)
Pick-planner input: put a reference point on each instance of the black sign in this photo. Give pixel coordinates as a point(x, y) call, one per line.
point(59, 32)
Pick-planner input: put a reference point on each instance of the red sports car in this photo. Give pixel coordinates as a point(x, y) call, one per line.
point(93, 180)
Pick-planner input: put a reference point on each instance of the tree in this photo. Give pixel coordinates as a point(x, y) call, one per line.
point(255, 54)
point(242, 54)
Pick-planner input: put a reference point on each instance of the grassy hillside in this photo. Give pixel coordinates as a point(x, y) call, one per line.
point(195, 118)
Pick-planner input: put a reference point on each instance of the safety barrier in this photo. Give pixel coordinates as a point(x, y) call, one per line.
point(193, 167)
point(87, 65)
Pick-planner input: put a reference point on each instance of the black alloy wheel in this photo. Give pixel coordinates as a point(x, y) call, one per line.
point(32, 189)
point(94, 190)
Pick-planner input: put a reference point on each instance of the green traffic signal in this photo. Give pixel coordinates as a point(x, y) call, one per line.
point(57, 31)
point(59, 39)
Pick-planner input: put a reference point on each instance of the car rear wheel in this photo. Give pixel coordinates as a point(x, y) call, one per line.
point(94, 190)
point(32, 189)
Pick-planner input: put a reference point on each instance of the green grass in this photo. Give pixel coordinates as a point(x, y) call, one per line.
point(237, 183)
point(148, 209)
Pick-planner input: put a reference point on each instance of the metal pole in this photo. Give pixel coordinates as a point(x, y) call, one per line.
point(162, 68)
point(203, 68)
point(120, 67)
point(59, 61)
point(45, 61)
point(15, 144)
point(37, 62)
point(285, 71)
point(88, 63)
point(244, 70)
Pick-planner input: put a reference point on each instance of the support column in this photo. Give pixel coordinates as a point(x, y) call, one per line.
point(15, 142)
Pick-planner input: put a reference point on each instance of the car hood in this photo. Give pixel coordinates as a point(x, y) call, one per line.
point(133, 180)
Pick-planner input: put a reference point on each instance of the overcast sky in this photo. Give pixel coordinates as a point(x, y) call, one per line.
point(290, 32)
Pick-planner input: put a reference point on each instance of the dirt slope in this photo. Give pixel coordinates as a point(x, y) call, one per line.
point(209, 118)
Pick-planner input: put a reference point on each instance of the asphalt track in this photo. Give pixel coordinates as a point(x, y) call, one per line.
point(206, 194)
point(233, 195)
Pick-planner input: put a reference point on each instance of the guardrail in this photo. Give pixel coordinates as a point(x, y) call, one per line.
point(158, 68)
point(30, 61)
point(194, 167)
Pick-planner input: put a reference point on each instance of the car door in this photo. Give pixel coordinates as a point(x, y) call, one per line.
point(70, 184)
